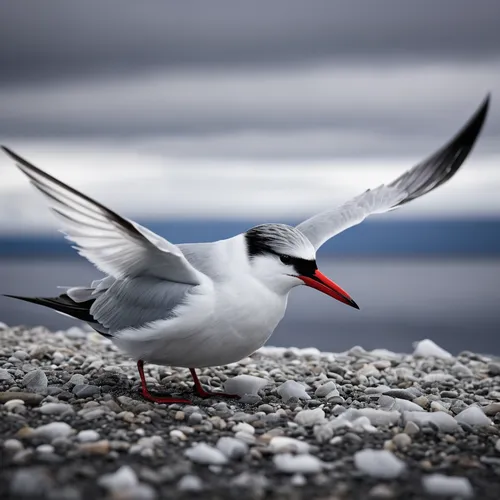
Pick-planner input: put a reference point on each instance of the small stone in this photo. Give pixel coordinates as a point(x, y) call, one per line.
point(284, 444)
point(77, 379)
point(244, 385)
point(177, 434)
point(45, 449)
point(298, 464)
point(494, 369)
point(298, 480)
point(30, 482)
point(439, 484)
point(203, 453)
point(381, 464)
point(492, 409)
point(53, 430)
point(5, 376)
point(411, 428)
point(308, 418)
point(86, 391)
point(87, 436)
point(179, 416)
point(35, 381)
point(427, 348)
point(244, 427)
point(55, 408)
point(123, 479)
point(232, 448)
point(402, 441)
point(190, 483)
point(473, 416)
point(381, 491)
point(291, 389)
point(96, 448)
point(12, 445)
point(325, 389)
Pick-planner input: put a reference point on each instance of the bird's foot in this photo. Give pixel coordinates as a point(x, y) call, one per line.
point(163, 399)
point(214, 394)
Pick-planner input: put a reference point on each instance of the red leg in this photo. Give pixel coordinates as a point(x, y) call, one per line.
point(208, 394)
point(155, 399)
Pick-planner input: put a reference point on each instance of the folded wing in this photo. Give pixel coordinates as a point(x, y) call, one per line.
point(419, 180)
point(117, 246)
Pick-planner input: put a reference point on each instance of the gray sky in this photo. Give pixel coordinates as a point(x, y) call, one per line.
point(272, 79)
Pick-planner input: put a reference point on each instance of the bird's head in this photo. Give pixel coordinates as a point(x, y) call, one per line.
point(283, 258)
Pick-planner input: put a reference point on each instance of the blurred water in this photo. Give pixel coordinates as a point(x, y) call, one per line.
point(455, 302)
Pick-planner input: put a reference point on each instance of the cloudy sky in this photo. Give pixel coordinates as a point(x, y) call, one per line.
point(275, 107)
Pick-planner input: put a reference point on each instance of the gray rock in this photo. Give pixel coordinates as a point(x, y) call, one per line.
point(5, 376)
point(53, 430)
point(86, 391)
point(31, 482)
point(56, 409)
point(77, 379)
point(190, 483)
point(35, 381)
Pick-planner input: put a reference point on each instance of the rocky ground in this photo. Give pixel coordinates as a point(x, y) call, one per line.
point(315, 425)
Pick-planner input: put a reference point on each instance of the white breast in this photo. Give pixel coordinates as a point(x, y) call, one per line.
point(220, 324)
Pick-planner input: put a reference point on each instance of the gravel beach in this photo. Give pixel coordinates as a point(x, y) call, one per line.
point(358, 424)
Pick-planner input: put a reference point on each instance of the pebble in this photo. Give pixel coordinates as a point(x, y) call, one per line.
point(205, 454)
point(325, 389)
point(427, 348)
point(190, 482)
point(439, 484)
point(443, 421)
point(87, 436)
point(36, 381)
point(402, 441)
point(86, 391)
point(53, 430)
point(244, 427)
point(308, 418)
point(243, 385)
point(232, 448)
point(32, 482)
point(301, 464)
point(5, 376)
point(285, 444)
point(56, 409)
point(12, 445)
point(381, 464)
point(473, 416)
point(292, 389)
point(123, 479)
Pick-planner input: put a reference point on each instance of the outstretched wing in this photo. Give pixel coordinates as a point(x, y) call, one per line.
point(117, 246)
point(419, 180)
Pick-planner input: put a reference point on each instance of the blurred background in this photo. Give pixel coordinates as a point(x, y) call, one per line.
point(200, 119)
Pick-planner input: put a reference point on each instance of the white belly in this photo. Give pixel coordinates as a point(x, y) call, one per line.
point(219, 325)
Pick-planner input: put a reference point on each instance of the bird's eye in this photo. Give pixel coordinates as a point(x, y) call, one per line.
point(286, 259)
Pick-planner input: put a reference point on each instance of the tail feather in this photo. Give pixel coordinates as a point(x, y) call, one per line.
point(65, 305)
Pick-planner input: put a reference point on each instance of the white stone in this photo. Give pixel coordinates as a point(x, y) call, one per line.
point(12, 445)
point(291, 389)
point(298, 464)
point(398, 404)
point(231, 447)
point(308, 418)
point(362, 424)
point(438, 377)
point(45, 449)
point(473, 416)
point(298, 480)
point(443, 421)
point(205, 454)
point(325, 389)
point(190, 483)
point(243, 385)
point(284, 444)
point(381, 464)
point(439, 484)
point(53, 430)
point(56, 408)
point(123, 479)
point(427, 348)
point(376, 417)
point(244, 427)
point(88, 436)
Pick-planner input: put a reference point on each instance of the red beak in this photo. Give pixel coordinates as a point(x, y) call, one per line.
point(320, 282)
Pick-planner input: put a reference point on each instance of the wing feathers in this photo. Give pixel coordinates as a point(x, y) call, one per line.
point(419, 180)
point(117, 246)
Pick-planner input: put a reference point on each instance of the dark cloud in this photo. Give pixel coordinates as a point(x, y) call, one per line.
point(56, 38)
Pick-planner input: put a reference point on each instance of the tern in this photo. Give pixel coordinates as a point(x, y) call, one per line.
point(208, 304)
